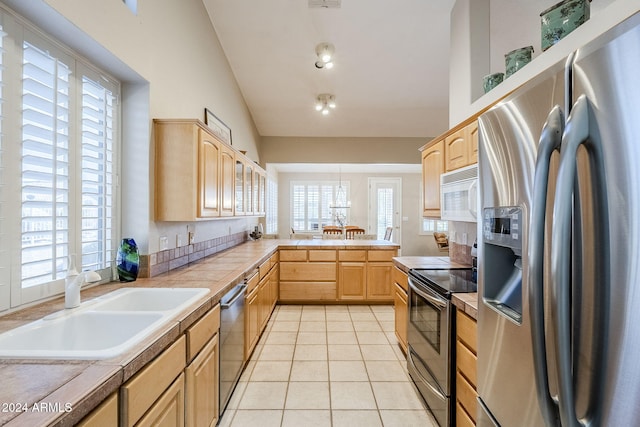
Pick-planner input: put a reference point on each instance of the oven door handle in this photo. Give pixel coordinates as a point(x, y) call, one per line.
point(431, 298)
point(426, 382)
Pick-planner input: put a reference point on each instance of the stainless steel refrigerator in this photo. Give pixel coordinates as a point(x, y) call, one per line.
point(559, 243)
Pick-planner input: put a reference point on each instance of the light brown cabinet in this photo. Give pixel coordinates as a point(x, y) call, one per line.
point(227, 180)
point(308, 275)
point(466, 369)
point(168, 411)
point(260, 300)
point(454, 150)
point(199, 177)
point(400, 302)
point(143, 392)
point(461, 147)
point(201, 374)
point(365, 275)
point(106, 414)
point(432, 168)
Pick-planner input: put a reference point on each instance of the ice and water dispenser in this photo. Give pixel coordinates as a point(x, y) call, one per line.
point(502, 249)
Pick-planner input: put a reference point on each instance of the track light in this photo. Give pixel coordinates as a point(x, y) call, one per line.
point(325, 102)
point(324, 51)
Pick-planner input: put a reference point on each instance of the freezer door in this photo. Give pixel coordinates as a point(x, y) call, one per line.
point(508, 143)
point(606, 80)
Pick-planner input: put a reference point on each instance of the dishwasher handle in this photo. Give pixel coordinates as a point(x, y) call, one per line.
point(239, 292)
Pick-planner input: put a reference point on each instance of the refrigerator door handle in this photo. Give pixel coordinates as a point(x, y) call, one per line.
point(550, 140)
point(580, 129)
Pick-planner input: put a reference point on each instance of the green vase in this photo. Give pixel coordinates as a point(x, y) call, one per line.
point(128, 260)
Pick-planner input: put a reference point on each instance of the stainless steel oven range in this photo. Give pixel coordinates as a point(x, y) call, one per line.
point(431, 335)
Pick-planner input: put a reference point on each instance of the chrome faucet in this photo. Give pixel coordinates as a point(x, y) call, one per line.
point(74, 281)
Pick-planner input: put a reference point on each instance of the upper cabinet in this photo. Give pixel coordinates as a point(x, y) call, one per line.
point(454, 150)
point(461, 147)
point(198, 177)
point(432, 167)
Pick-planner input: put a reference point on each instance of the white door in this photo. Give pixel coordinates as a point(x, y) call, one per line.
point(385, 207)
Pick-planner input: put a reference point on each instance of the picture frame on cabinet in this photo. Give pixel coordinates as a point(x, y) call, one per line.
point(217, 126)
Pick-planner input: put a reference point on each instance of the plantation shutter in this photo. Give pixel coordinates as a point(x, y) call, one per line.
point(45, 166)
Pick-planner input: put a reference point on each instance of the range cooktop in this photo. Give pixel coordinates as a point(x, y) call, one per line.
point(445, 282)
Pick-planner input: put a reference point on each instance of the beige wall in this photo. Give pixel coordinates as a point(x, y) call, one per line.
point(341, 150)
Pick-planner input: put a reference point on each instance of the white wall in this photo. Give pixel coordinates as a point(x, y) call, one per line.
point(412, 242)
point(173, 66)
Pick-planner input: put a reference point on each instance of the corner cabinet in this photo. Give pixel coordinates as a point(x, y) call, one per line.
point(196, 176)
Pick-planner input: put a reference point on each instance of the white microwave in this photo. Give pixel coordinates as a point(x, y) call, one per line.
point(459, 194)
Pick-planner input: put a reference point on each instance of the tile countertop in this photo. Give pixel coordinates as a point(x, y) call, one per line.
point(467, 302)
point(70, 389)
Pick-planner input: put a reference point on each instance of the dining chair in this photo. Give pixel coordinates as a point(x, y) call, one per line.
point(387, 233)
point(332, 231)
point(442, 241)
point(351, 232)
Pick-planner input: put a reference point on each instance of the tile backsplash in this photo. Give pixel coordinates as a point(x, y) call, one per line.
point(164, 261)
point(458, 250)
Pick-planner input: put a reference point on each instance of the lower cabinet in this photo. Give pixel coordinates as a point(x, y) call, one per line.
point(400, 301)
point(104, 415)
point(365, 275)
point(260, 300)
point(466, 370)
point(141, 394)
point(180, 386)
point(202, 387)
point(168, 411)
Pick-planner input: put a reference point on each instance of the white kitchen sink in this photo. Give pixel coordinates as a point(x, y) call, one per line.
point(101, 328)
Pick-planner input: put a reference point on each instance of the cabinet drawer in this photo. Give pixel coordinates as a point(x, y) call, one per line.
point(466, 362)
point(466, 330)
point(315, 271)
point(293, 255)
point(202, 331)
point(462, 418)
point(381, 255)
point(252, 282)
point(307, 291)
point(140, 392)
point(274, 259)
point(325, 255)
point(401, 278)
point(264, 268)
point(359, 256)
point(104, 415)
point(466, 395)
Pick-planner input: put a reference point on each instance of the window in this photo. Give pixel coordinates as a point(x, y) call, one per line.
point(429, 226)
point(64, 115)
point(310, 201)
point(271, 214)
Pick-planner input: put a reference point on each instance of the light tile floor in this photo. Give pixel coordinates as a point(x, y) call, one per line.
point(327, 366)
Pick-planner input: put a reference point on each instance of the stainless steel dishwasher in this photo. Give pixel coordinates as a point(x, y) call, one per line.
point(231, 341)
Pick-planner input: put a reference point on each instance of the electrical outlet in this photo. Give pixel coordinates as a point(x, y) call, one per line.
point(179, 241)
point(464, 238)
point(452, 237)
point(164, 243)
point(192, 237)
